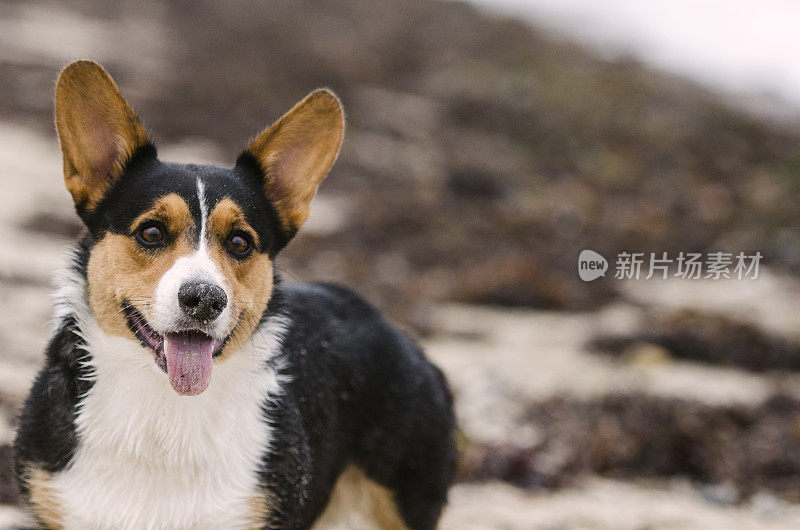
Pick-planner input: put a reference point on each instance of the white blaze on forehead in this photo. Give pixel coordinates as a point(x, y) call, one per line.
point(198, 266)
point(201, 198)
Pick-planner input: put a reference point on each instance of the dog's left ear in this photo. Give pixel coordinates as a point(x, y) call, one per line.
point(98, 132)
point(296, 152)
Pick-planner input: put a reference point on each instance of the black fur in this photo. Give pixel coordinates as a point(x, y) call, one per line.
point(359, 392)
point(46, 435)
point(49, 411)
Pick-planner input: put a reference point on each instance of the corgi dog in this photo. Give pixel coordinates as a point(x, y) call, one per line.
point(185, 386)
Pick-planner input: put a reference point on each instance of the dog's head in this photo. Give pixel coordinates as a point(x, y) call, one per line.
point(182, 255)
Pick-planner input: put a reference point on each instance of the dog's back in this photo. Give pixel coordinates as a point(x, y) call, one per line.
point(367, 402)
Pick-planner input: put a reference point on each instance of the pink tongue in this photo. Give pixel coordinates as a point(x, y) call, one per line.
point(189, 361)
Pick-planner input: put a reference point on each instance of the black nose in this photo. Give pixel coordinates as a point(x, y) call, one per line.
point(202, 301)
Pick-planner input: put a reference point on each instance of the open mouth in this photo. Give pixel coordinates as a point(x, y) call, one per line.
point(186, 356)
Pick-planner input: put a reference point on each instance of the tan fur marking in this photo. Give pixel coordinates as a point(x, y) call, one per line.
point(296, 153)
point(226, 216)
point(384, 507)
point(250, 280)
point(355, 494)
point(260, 506)
point(119, 269)
point(43, 502)
point(171, 210)
point(97, 129)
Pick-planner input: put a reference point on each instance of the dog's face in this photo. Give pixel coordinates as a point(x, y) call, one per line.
point(182, 254)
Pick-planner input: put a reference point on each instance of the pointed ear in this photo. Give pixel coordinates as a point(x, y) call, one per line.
point(296, 152)
point(97, 129)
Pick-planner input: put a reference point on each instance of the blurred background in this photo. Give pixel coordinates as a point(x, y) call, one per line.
point(488, 143)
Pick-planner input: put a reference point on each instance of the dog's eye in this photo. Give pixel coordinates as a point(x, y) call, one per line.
point(239, 245)
point(150, 234)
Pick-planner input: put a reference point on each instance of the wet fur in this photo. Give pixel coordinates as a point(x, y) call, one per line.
point(313, 393)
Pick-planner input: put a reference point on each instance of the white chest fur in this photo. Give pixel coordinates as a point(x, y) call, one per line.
point(149, 458)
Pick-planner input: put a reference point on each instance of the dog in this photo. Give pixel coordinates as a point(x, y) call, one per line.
point(186, 386)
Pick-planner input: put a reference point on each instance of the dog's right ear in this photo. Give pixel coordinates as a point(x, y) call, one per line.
point(98, 132)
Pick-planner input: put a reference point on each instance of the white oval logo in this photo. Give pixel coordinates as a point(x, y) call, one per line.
point(591, 265)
